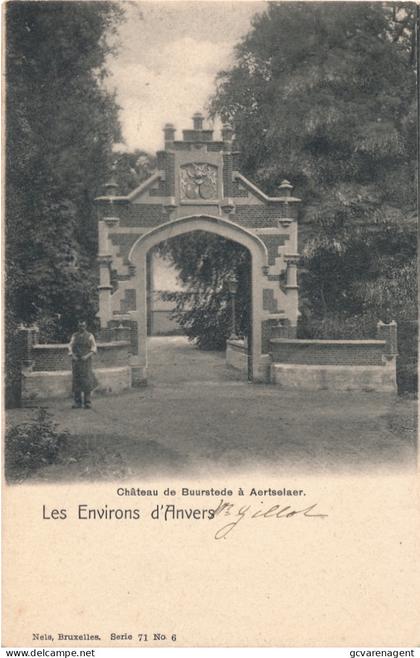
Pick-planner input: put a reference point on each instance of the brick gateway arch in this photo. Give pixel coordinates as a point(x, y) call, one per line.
point(181, 226)
point(197, 186)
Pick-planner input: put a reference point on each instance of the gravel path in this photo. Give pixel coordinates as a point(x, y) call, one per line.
point(198, 417)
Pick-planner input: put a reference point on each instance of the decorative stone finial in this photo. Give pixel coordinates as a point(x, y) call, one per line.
point(198, 121)
point(285, 188)
point(169, 132)
point(111, 187)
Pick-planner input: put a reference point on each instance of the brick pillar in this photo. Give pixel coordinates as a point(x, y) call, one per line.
point(227, 202)
point(169, 134)
point(388, 332)
point(291, 289)
point(28, 336)
point(132, 324)
point(198, 121)
point(105, 290)
point(161, 160)
point(170, 174)
point(170, 204)
point(227, 175)
point(104, 260)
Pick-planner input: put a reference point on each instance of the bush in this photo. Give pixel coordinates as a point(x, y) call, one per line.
point(205, 265)
point(335, 327)
point(12, 363)
point(207, 318)
point(407, 357)
point(32, 444)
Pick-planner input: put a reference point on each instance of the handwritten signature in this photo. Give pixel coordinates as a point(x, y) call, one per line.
point(245, 511)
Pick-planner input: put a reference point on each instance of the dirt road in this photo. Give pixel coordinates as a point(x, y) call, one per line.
point(198, 417)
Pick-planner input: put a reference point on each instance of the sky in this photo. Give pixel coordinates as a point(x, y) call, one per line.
point(169, 55)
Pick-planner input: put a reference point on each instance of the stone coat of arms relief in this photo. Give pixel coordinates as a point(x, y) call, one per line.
point(198, 181)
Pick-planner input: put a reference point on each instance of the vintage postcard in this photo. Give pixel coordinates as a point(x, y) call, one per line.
point(210, 321)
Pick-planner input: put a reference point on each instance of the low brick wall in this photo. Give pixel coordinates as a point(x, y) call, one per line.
point(54, 357)
point(328, 352)
point(335, 378)
point(46, 368)
point(346, 365)
point(42, 385)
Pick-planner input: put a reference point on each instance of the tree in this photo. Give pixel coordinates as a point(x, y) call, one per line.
point(132, 168)
point(364, 275)
point(205, 263)
point(323, 94)
point(61, 124)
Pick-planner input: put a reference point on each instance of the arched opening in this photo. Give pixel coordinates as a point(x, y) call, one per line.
point(198, 298)
point(215, 225)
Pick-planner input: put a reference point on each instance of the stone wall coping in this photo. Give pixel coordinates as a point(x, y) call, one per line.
point(65, 373)
point(325, 342)
point(132, 195)
point(344, 367)
point(264, 197)
point(50, 346)
point(65, 346)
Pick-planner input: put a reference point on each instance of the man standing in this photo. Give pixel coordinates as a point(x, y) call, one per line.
point(81, 349)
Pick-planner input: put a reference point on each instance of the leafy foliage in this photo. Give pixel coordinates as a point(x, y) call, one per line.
point(206, 262)
point(61, 124)
point(323, 94)
point(367, 270)
point(132, 168)
point(30, 445)
point(358, 277)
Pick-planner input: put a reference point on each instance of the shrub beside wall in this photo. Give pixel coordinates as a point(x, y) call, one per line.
point(32, 444)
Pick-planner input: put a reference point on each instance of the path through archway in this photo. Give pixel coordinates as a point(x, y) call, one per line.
point(191, 312)
point(214, 225)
